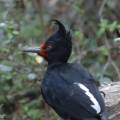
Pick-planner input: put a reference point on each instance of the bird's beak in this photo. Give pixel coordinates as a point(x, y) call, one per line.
point(41, 51)
point(36, 50)
point(32, 50)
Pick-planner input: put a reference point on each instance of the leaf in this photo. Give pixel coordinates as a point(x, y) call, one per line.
point(113, 26)
point(104, 51)
point(15, 32)
point(78, 34)
point(117, 39)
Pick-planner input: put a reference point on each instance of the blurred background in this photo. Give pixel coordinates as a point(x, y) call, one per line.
point(95, 28)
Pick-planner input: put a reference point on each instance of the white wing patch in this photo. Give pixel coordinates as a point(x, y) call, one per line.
point(95, 105)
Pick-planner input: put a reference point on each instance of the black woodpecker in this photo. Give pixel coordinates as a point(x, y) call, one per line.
point(68, 87)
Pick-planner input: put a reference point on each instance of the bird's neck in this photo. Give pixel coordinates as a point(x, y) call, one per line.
point(52, 64)
point(56, 61)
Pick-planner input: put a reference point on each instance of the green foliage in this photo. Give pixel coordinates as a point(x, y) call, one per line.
point(106, 25)
point(31, 30)
point(31, 112)
point(53, 116)
point(117, 41)
point(10, 31)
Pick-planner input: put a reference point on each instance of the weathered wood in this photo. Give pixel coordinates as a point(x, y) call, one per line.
point(112, 100)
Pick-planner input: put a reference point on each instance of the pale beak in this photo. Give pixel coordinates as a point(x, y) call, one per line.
point(41, 51)
point(32, 50)
point(36, 50)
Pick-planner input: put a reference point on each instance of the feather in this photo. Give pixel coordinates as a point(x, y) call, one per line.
point(61, 27)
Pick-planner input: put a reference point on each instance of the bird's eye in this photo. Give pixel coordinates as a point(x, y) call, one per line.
point(49, 47)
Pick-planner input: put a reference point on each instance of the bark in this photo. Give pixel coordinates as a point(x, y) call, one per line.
point(112, 100)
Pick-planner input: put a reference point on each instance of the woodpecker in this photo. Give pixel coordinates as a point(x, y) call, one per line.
point(68, 87)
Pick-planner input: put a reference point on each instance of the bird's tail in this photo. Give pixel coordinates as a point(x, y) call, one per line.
point(102, 116)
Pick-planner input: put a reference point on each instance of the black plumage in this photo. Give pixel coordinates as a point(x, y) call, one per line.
point(68, 87)
point(60, 91)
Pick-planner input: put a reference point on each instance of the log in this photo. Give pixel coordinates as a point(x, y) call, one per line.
point(112, 100)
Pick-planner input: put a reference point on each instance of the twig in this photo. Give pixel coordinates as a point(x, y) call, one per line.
point(110, 61)
point(116, 69)
point(102, 8)
point(104, 69)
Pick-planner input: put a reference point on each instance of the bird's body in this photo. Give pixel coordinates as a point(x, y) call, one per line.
point(68, 88)
point(71, 91)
